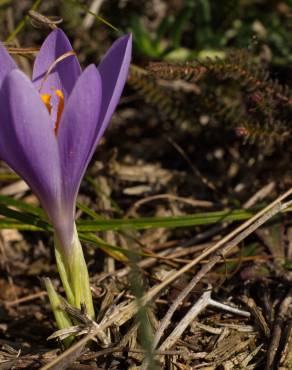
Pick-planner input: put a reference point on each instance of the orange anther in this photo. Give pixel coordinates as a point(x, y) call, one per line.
point(60, 109)
point(46, 98)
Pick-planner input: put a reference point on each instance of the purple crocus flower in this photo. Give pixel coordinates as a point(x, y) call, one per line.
point(49, 129)
point(50, 126)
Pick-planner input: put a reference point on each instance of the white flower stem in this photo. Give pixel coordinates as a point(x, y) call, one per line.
point(79, 277)
point(63, 269)
point(74, 274)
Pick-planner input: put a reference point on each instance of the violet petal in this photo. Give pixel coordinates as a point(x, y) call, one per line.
point(77, 130)
point(27, 141)
point(113, 69)
point(6, 63)
point(64, 74)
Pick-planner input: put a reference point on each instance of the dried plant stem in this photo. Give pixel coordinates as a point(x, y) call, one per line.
point(227, 308)
point(41, 19)
point(192, 202)
point(25, 299)
point(193, 312)
point(203, 302)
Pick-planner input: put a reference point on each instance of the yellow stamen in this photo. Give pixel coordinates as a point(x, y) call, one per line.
point(60, 109)
point(46, 98)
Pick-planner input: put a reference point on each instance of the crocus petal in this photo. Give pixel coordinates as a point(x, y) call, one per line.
point(77, 131)
point(27, 141)
point(6, 63)
point(65, 72)
point(113, 69)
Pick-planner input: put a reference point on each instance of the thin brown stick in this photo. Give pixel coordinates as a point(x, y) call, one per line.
point(202, 303)
point(25, 299)
point(190, 201)
point(53, 65)
point(22, 51)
